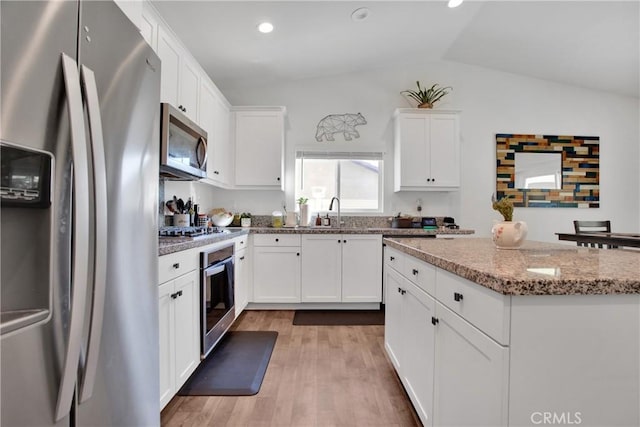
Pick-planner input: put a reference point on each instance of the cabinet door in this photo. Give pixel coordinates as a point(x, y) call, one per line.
point(149, 26)
point(214, 118)
point(393, 317)
point(444, 158)
point(412, 159)
point(321, 268)
point(361, 268)
point(167, 355)
point(259, 137)
point(169, 53)
point(241, 282)
point(276, 274)
point(418, 344)
point(187, 326)
point(471, 374)
point(189, 87)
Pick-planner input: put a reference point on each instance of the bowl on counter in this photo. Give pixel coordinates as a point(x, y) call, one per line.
point(222, 219)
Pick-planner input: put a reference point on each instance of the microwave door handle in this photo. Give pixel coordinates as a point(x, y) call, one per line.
point(203, 142)
point(100, 238)
point(79, 274)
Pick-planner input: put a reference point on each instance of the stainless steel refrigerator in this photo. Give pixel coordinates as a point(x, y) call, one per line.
point(79, 131)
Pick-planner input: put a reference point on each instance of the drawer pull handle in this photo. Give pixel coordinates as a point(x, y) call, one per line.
point(176, 295)
point(339, 240)
point(277, 240)
point(242, 258)
point(297, 253)
point(391, 258)
point(176, 265)
point(403, 292)
point(434, 321)
point(344, 241)
point(415, 272)
point(457, 296)
point(399, 290)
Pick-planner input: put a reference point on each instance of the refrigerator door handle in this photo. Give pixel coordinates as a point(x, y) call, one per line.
point(79, 275)
point(100, 238)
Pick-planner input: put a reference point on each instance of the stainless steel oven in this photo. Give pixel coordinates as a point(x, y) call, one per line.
point(183, 149)
point(217, 309)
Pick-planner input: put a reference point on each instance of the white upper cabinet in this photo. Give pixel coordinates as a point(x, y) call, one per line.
point(169, 52)
point(180, 80)
point(259, 147)
point(215, 118)
point(189, 87)
point(427, 150)
point(133, 10)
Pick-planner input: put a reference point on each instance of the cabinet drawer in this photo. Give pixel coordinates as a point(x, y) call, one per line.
point(241, 243)
point(176, 264)
point(276, 240)
point(487, 310)
point(394, 259)
point(420, 273)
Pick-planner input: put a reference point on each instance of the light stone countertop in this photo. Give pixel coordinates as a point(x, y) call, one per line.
point(535, 268)
point(168, 246)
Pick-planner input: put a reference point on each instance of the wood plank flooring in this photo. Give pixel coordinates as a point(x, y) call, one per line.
point(317, 376)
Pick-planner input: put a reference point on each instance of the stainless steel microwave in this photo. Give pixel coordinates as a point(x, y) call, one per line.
point(183, 148)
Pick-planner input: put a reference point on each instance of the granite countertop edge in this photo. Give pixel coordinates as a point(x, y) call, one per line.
point(169, 247)
point(517, 287)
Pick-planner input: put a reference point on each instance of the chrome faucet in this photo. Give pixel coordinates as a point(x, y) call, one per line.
point(331, 208)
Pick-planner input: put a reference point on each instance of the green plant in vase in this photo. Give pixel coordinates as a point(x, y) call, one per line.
point(426, 97)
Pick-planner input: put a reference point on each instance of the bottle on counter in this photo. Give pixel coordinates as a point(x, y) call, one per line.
point(318, 220)
point(326, 221)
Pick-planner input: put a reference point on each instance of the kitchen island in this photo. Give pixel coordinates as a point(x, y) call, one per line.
point(547, 333)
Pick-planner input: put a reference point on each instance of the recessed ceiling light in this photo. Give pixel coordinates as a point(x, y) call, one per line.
point(454, 3)
point(360, 14)
point(265, 27)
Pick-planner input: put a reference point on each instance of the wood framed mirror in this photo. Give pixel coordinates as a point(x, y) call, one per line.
point(548, 171)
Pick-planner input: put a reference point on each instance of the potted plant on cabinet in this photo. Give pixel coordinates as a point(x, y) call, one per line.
point(427, 97)
point(507, 234)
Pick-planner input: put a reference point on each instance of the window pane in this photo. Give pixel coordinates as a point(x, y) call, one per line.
point(359, 184)
point(316, 179)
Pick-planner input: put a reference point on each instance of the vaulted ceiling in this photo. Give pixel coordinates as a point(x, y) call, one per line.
point(592, 44)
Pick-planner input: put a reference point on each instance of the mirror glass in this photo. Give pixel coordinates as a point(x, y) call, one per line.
point(538, 170)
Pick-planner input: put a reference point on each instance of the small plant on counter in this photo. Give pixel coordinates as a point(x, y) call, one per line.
point(427, 97)
point(504, 206)
point(302, 201)
point(245, 219)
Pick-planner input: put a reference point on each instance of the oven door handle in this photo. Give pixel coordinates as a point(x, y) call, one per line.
point(215, 269)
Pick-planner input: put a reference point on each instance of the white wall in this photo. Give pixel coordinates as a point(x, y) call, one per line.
point(491, 102)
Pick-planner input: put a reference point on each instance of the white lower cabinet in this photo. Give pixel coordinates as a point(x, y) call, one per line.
point(242, 269)
point(179, 338)
point(341, 268)
point(276, 268)
point(471, 374)
point(409, 340)
point(452, 371)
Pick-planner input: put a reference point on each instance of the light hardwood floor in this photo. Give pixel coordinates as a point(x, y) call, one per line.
point(317, 376)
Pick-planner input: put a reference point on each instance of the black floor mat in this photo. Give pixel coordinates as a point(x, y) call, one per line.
point(338, 317)
point(235, 367)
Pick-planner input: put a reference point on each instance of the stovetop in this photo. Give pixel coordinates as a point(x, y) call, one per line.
point(188, 231)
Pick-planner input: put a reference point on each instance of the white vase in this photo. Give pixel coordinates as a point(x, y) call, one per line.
point(304, 215)
point(509, 234)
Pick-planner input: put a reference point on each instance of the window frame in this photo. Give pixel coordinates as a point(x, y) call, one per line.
point(342, 155)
